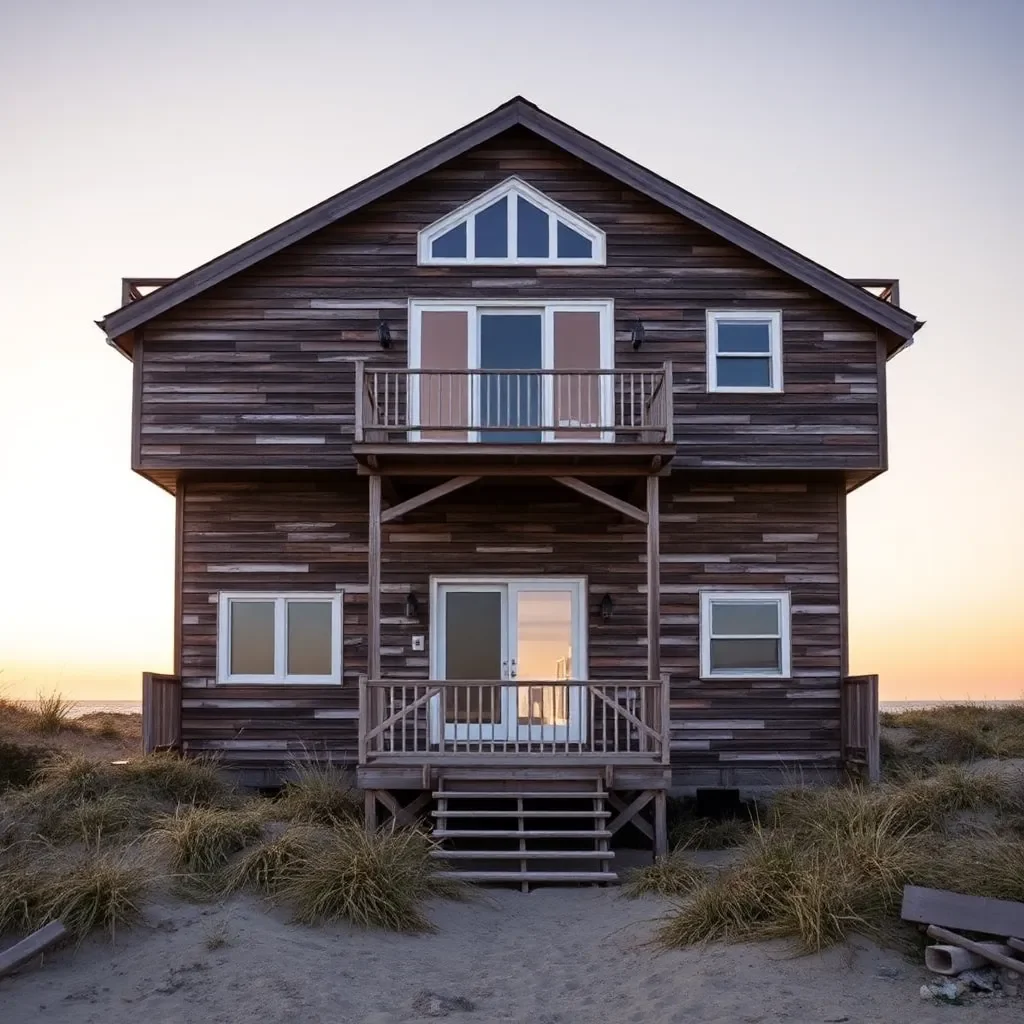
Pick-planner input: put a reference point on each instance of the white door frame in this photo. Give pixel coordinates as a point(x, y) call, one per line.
point(510, 731)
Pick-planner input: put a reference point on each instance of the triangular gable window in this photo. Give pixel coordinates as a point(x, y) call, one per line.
point(512, 223)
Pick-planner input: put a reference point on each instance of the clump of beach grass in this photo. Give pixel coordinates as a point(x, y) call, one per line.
point(832, 861)
point(267, 866)
point(94, 889)
point(199, 841)
point(959, 732)
point(52, 713)
point(318, 794)
point(373, 879)
point(672, 876)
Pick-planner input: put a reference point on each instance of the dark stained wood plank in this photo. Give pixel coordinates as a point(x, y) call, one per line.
point(32, 946)
point(957, 910)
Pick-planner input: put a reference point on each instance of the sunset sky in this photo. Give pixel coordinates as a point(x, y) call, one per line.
point(879, 138)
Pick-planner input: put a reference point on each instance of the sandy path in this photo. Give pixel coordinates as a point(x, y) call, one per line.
point(555, 956)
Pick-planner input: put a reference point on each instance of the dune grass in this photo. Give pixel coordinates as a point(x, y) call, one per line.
point(201, 840)
point(95, 889)
point(52, 713)
point(672, 876)
point(829, 862)
point(378, 879)
point(318, 794)
point(959, 732)
point(265, 867)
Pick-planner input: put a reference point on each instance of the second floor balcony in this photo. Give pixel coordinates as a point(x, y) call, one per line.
point(414, 417)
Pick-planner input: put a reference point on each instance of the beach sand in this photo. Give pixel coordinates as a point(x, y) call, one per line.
point(553, 956)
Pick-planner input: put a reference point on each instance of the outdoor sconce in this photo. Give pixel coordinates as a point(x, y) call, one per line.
point(412, 606)
point(606, 607)
point(383, 333)
point(638, 334)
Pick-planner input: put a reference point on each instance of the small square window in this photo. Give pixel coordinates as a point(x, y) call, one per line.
point(744, 634)
point(279, 638)
point(744, 351)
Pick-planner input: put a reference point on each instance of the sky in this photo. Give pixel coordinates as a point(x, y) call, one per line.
point(878, 138)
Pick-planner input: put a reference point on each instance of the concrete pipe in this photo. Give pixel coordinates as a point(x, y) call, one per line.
point(953, 959)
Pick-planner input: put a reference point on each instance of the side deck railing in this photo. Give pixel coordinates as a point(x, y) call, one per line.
point(860, 725)
point(161, 712)
point(476, 719)
point(513, 406)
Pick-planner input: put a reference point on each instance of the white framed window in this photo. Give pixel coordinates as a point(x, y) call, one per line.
point(279, 637)
point(745, 634)
point(744, 350)
point(512, 223)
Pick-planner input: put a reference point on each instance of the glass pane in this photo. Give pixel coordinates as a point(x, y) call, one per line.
point(746, 655)
point(532, 229)
point(543, 651)
point(309, 638)
point(492, 229)
point(741, 337)
point(252, 638)
point(452, 244)
point(572, 245)
point(743, 372)
point(472, 638)
point(739, 618)
point(510, 342)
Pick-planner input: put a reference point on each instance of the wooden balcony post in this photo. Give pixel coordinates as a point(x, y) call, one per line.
point(360, 399)
point(364, 710)
point(373, 590)
point(653, 579)
point(668, 402)
point(666, 719)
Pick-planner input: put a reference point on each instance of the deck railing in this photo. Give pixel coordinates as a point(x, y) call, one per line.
point(513, 406)
point(860, 725)
point(475, 719)
point(161, 712)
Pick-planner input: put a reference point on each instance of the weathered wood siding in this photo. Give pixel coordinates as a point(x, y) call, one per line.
point(257, 372)
point(311, 534)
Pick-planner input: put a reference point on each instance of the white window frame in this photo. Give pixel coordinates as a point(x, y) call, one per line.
point(280, 599)
point(774, 354)
point(547, 309)
point(778, 597)
point(513, 188)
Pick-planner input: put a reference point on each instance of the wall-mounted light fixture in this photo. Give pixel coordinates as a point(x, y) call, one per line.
point(412, 606)
point(638, 334)
point(607, 607)
point(383, 332)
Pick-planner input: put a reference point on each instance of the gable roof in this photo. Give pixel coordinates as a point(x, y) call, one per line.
point(517, 111)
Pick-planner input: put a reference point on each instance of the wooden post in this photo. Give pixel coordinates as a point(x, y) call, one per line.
point(364, 710)
point(360, 399)
point(373, 594)
point(370, 810)
point(873, 747)
point(669, 403)
point(653, 580)
point(666, 720)
point(660, 824)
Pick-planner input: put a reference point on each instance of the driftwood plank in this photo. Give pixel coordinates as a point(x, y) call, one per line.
point(1017, 944)
point(955, 910)
point(38, 942)
point(981, 948)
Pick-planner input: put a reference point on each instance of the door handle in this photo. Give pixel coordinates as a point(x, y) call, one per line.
point(512, 672)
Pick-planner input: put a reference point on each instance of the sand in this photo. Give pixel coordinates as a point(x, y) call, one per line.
point(553, 956)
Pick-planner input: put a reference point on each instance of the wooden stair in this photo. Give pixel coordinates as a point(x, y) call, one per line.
point(525, 832)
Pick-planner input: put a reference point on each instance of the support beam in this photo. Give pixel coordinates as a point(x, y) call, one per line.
point(638, 822)
point(373, 573)
point(370, 810)
point(660, 824)
point(627, 814)
point(604, 497)
point(653, 580)
point(455, 484)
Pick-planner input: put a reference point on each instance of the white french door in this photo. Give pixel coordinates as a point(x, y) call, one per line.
point(501, 637)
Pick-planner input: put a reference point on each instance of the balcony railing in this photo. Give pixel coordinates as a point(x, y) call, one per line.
point(513, 406)
point(473, 720)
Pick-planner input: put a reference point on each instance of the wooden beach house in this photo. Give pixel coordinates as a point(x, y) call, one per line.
point(513, 473)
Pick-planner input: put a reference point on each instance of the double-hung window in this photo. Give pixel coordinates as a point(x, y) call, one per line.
point(744, 634)
point(279, 638)
point(744, 350)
